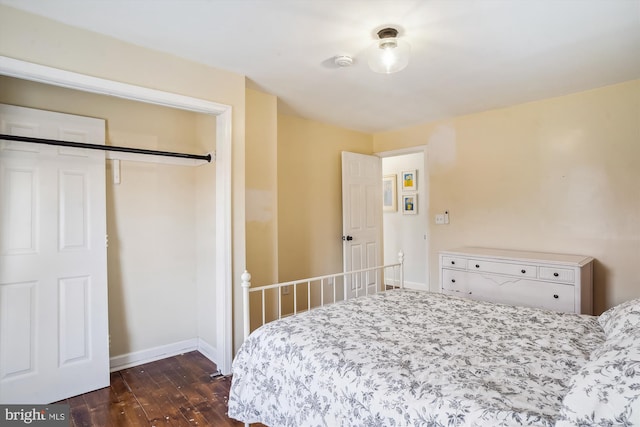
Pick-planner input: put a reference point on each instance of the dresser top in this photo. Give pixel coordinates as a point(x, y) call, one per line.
point(554, 258)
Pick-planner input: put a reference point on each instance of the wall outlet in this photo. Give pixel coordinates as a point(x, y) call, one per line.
point(439, 218)
point(285, 290)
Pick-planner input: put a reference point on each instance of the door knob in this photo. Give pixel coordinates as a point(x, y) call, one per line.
point(347, 238)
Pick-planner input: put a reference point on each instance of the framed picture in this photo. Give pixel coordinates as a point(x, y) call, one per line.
point(410, 204)
point(409, 180)
point(389, 197)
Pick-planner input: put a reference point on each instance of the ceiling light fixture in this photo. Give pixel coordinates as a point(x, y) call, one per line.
point(389, 54)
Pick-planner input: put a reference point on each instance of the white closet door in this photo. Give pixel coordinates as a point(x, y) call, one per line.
point(53, 274)
point(361, 221)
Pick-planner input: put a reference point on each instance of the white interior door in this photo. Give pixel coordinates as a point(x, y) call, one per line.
point(53, 279)
point(361, 221)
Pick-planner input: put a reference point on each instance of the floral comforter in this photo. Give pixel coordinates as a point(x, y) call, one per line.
point(410, 358)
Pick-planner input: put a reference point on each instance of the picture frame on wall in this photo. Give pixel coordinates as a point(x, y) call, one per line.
point(409, 180)
point(410, 204)
point(389, 197)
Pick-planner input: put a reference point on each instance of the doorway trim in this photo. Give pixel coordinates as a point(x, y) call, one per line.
point(53, 76)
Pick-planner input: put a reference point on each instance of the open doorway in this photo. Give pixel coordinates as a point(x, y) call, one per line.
point(405, 222)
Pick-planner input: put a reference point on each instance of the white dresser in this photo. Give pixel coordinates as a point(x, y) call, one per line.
point(553, 281)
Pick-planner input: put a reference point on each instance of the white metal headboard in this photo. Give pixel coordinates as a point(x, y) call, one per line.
point(393, 281)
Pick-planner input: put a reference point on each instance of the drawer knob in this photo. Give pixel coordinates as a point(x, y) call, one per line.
point(477, 265)
point(555, 274)
point(523, 271)
point(453, 263)
point(555, 296)
point(453, 280)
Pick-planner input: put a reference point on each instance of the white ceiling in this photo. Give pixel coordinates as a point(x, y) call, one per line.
point(467, 55)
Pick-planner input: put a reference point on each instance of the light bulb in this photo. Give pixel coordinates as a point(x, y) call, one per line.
point(389, 54)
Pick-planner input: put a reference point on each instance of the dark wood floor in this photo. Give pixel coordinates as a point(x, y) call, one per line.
point(176, 391)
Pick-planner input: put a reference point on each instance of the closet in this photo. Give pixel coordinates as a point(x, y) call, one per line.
point(160, 221)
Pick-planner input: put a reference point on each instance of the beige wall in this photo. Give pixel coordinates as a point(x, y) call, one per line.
point(558, 175)
point(153, 263)
point(261, 187)
point(310, 195)
point(262, 198)
point(31, 38)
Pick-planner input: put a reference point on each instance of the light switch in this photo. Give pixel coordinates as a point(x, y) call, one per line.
point(439, 218)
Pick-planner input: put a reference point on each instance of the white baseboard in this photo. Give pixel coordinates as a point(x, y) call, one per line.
point(416, 285)
point(407, 284)
point(208, 351)
point(136, 358)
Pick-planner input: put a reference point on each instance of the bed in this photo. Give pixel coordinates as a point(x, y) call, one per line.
point(415, 358)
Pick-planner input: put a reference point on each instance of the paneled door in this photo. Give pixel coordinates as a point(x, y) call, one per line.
point(53, 279)
point(361, 221)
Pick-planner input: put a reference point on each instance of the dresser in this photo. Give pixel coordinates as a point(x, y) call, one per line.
point(557, 282)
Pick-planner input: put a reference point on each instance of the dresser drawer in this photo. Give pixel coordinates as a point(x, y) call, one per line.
point(531, 293)
point(518, 270)
point(557, 274)
point(546, 295)
point(454, 262)
point(455, 282)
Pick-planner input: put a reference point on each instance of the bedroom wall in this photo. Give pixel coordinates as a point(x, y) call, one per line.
point(31, 38)
point(261, 187)
point(310, 195)
point(154, 216)
point(557, 175)
point(262, 195)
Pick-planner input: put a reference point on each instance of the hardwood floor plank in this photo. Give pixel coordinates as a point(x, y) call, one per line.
point(173, 392)
point(204, 364)
point(99, 412)
point(79, 411)
point(175, 375)
point(127, 411)
point(156, 370)
point(171, 413)
point(139, 383)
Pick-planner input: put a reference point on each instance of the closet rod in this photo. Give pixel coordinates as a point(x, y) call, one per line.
point(104, 147)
